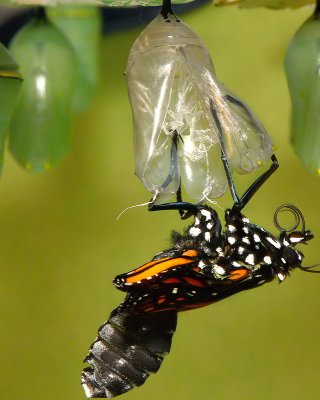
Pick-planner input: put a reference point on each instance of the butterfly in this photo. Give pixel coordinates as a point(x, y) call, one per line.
point(205, 264)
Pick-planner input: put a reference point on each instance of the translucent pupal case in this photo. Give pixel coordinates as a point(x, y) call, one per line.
point(174, 94)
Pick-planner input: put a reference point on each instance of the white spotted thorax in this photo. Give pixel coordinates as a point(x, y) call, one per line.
point(204, 227)
point(173, 88)
point(243, 244)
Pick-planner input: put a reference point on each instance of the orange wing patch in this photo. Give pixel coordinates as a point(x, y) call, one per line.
point(193, 281)
point(155, 267)
point(171, 280)
point(191, 253)
point(238, 274)
point(147, 265)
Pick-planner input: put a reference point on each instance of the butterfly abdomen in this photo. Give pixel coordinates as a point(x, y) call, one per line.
point(128, 348)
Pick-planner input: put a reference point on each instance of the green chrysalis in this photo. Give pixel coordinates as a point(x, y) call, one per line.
point(302, 65)
point(82, 26)
point(40, 128)
point(10, 83)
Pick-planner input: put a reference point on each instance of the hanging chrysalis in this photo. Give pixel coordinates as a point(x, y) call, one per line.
point(10, 83)
point(302, 65)
point(40, 128)
point(82, 27)
point(183, 115)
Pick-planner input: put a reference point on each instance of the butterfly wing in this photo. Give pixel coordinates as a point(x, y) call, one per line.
point(180, 281)
point(153, 273)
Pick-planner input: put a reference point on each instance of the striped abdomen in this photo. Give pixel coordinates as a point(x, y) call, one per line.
point(128, 348)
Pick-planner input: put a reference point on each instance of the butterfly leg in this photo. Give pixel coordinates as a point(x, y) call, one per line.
point(174, 164)
point(185, 209)
point(166, 8)
point(256, 185)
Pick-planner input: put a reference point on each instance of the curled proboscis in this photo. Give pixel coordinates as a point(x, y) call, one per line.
point(298, 217)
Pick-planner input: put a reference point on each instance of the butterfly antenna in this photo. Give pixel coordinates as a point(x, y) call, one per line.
point(310, 269)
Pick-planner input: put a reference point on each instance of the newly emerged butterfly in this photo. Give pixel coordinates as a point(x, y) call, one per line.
point(183, 115)
point(204, 265)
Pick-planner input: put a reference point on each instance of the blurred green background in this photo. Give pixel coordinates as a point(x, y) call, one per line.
point(61, 244)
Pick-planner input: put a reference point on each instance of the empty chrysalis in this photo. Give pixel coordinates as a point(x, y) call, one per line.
point(82, 26)
point(302, 65)
point(40, 128)
point(10, 83)
point(182, 115)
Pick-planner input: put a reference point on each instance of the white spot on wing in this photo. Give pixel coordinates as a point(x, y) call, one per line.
point(231, 228)
point(245, 220)
point(267, 260)
point(209, 225)
point(219, 251)
point(250, 259)
point(281, 277)
point(193, 231)
point(245, 230)
point(219, 270)
point(245, 239)
point(274, 242)
point(240, 249)
point(236, 264)
point(256, 238)
point(206, 214)
point(231, 240)
point(207, 236)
